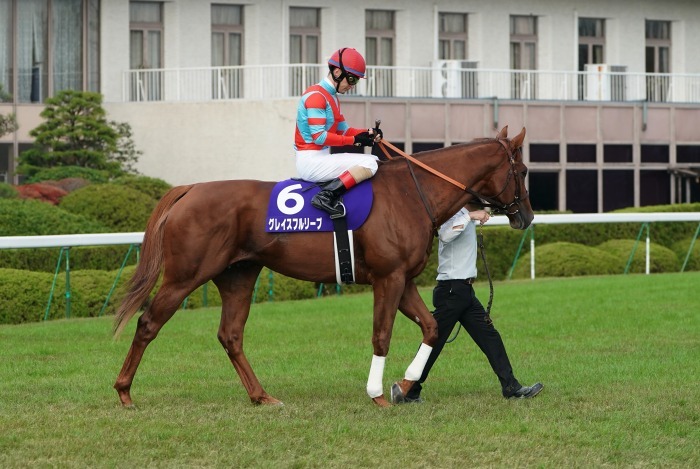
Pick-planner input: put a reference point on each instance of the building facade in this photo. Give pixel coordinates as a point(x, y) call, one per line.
point(609, 92)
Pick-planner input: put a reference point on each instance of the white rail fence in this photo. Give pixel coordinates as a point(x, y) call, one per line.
point(448, 79)
point(67, 241)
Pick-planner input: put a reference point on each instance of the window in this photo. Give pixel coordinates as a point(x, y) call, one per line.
point(6, 35)
point(523, 54)
point(426, 146)
point(5, 158)
point(582, 191)
point(591, 42)
point(655, 153)
point(618, 189)
point(617, 153)
point(452, 36)
point(658, 58)
point(580, 153)
point(48, 46)
point(688, 154)
point(379, 45)
point(304, 47)
point(227, 50)
point(146, 49)
point(544, 190)
point(654, 188)
point(544, 153)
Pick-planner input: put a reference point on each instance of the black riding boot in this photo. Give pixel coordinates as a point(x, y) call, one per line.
point(327, 199)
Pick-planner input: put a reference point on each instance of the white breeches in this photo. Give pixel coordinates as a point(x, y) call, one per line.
point(321, 165)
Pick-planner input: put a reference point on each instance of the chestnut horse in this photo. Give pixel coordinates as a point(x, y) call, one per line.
point(216, 231)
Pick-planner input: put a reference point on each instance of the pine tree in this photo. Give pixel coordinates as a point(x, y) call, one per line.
point(76, 132)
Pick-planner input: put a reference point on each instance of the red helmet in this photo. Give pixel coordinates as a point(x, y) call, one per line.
point(348, 60)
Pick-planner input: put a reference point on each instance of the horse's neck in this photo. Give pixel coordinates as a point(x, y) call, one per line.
point(470, 165)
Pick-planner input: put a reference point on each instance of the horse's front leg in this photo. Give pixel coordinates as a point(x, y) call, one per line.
point(413, 307)
point(387, 293)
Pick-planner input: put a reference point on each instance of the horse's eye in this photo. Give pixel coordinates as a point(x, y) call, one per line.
point(524, 173)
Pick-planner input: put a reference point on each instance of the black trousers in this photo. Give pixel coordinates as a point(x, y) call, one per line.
point(455, 300)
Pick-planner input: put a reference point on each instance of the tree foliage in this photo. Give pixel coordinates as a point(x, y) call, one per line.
point(76, 132)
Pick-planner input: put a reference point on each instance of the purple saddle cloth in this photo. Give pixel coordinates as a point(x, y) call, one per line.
point(289, 209)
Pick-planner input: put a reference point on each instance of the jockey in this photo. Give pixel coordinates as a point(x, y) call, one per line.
point(320, 125)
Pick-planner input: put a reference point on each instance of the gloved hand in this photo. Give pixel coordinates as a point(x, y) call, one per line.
point(363, 139)
point(377, 134)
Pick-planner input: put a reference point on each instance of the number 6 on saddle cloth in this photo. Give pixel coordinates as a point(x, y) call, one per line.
point(289, 210)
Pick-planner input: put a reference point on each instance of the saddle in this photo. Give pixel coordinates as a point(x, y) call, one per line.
point(289, 210)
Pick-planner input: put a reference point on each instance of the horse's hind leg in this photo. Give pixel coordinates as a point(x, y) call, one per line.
point(236, 285)
point(164, 305)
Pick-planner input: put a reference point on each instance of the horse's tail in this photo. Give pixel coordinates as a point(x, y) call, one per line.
point(151, 262)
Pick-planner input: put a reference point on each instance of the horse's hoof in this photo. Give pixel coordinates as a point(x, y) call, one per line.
point(129, 406)
point(268, 401)
point(381, 401)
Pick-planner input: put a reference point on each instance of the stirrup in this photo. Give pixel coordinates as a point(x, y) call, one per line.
point(336, 213)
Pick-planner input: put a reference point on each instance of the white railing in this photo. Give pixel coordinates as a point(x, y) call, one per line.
point(286, 81)
point(67, 241)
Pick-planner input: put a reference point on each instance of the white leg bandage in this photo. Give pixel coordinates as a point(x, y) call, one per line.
point(415, 369)
point(376, 374)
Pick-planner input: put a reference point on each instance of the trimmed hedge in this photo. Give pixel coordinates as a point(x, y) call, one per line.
point(24, 295)
point(681, 249)
point(661, 259)
point(152, 187)
point(8, 191)
point(568, 260)
point(34, 218)
point(118, 207)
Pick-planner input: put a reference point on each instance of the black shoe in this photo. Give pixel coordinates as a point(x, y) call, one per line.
point(527, 392)
point(327, 199)
point(397, 397)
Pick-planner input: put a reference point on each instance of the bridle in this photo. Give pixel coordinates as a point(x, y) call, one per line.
point(492, 202)
point(483, 201)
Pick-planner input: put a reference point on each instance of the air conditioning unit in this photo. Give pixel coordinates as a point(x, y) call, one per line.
point(451, 76)
point(605, 82)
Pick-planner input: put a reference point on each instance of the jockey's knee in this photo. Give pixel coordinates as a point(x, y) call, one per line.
point(360, 173)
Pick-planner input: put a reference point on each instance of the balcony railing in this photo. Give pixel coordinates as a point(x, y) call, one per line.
point(286, 81)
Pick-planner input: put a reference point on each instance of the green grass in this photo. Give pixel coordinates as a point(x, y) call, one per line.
point(619, 357)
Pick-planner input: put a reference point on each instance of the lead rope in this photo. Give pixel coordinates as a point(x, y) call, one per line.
point(480, 242)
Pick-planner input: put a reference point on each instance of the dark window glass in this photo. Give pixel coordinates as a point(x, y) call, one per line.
point(348, 149)
point(578, 153)
point(544, 152)
point(425, 146)
point(618, 189)
point(5, 158)
point(688, 154)
point(582, 191)
point(654, 188)
point(378, 152)
point(654, 153)
point(544, 191)
point(617, 153)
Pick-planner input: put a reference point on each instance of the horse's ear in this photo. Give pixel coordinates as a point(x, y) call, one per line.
point(518, 140)
point(503, 133)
